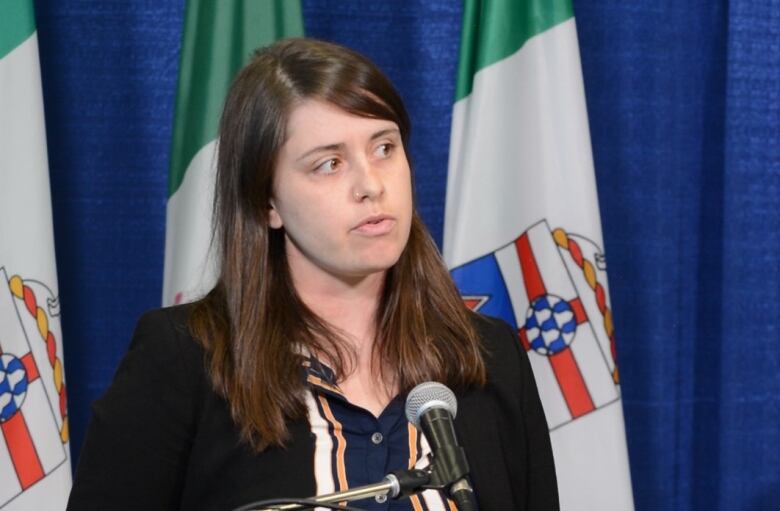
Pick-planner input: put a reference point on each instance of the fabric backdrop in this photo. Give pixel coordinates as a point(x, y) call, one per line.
point(684, 107)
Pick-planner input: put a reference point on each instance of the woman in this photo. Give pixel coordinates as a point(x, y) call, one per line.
point(288, 379)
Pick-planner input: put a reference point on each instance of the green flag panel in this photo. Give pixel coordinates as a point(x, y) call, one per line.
point(17, 23)
point(495, 29)
point(218, 40)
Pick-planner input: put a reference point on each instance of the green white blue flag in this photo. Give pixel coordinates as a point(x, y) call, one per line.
point(218, 40)
point(34, 440)
point(522, 232)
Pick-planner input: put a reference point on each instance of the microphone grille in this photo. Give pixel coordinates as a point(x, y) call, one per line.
point(427, 395)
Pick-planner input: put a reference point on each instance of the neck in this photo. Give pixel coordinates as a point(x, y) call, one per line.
point(347, 303)
point(350, 306)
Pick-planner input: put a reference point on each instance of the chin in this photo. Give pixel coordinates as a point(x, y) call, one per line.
point(370, 266)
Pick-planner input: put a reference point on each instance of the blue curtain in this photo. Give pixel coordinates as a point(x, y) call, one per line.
point(684, 104)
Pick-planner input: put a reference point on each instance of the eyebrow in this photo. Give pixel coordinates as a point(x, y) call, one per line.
point(337, 147)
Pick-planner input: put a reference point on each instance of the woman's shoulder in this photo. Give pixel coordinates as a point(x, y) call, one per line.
point(498, 337)
point(505, 358)
point(504, 421)
point(163, 362)
point(163, 335)
point(143, 427)
point(489, 326)
point(174, 318)
point(169, 322)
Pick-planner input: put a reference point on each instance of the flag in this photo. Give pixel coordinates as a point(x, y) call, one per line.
point(522, 233)
point(34, 442)
point(218, 40)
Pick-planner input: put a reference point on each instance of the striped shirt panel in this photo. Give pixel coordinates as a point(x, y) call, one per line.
point(354, 448)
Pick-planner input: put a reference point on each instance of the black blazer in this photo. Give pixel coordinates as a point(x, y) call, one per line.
point(160, 438)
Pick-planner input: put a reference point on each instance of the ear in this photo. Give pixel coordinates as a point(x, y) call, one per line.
point(274, 219)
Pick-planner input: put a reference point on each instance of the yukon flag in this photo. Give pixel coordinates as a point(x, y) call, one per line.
point(522, 232)
point(34, 442)
point(218, 40)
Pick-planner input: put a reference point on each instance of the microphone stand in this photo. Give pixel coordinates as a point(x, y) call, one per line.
point(361, 492)
point(397, 484)
point(400, 483)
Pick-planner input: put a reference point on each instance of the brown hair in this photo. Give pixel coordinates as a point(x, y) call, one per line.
point(253, 324)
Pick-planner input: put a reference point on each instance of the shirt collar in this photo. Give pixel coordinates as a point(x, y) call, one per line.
point(320, 377)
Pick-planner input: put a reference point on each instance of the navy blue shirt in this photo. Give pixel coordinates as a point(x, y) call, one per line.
point(354, 448)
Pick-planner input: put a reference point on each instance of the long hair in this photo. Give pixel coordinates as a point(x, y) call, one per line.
point(253, 325)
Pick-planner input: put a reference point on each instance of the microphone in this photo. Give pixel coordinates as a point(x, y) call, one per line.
point(431, 406)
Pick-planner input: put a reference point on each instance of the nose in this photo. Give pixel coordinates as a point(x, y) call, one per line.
point(368, 184)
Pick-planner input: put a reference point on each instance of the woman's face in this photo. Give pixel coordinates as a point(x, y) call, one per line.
point(342, 191)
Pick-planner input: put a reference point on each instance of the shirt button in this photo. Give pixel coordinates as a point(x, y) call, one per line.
point(377, 438)
point(381, 499)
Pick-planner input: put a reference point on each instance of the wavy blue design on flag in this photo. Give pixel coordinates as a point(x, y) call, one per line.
point(482, 277)
point(13, 385)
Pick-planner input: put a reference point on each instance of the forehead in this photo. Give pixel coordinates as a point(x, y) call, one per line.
point(314, 122)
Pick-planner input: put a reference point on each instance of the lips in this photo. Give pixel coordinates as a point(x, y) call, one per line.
point(375, 225)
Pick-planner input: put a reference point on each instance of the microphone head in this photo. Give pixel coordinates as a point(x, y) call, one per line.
point(427, 395)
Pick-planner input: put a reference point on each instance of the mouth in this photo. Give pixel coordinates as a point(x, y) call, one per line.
point(375, 225)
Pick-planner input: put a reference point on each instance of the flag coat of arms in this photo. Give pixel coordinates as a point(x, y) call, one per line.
point(34, 441)
point(32, 391)
point(538, 287)
point(522, 232)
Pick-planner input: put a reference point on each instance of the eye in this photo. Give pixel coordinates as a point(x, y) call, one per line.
point(384, 150)
point(328, 166)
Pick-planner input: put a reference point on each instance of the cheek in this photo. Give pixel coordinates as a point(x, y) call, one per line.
point(292, 205)
point(312, 223)
point(405, 194)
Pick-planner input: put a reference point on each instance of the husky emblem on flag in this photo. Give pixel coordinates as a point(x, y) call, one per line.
point(33, 416)
point(546, 284)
